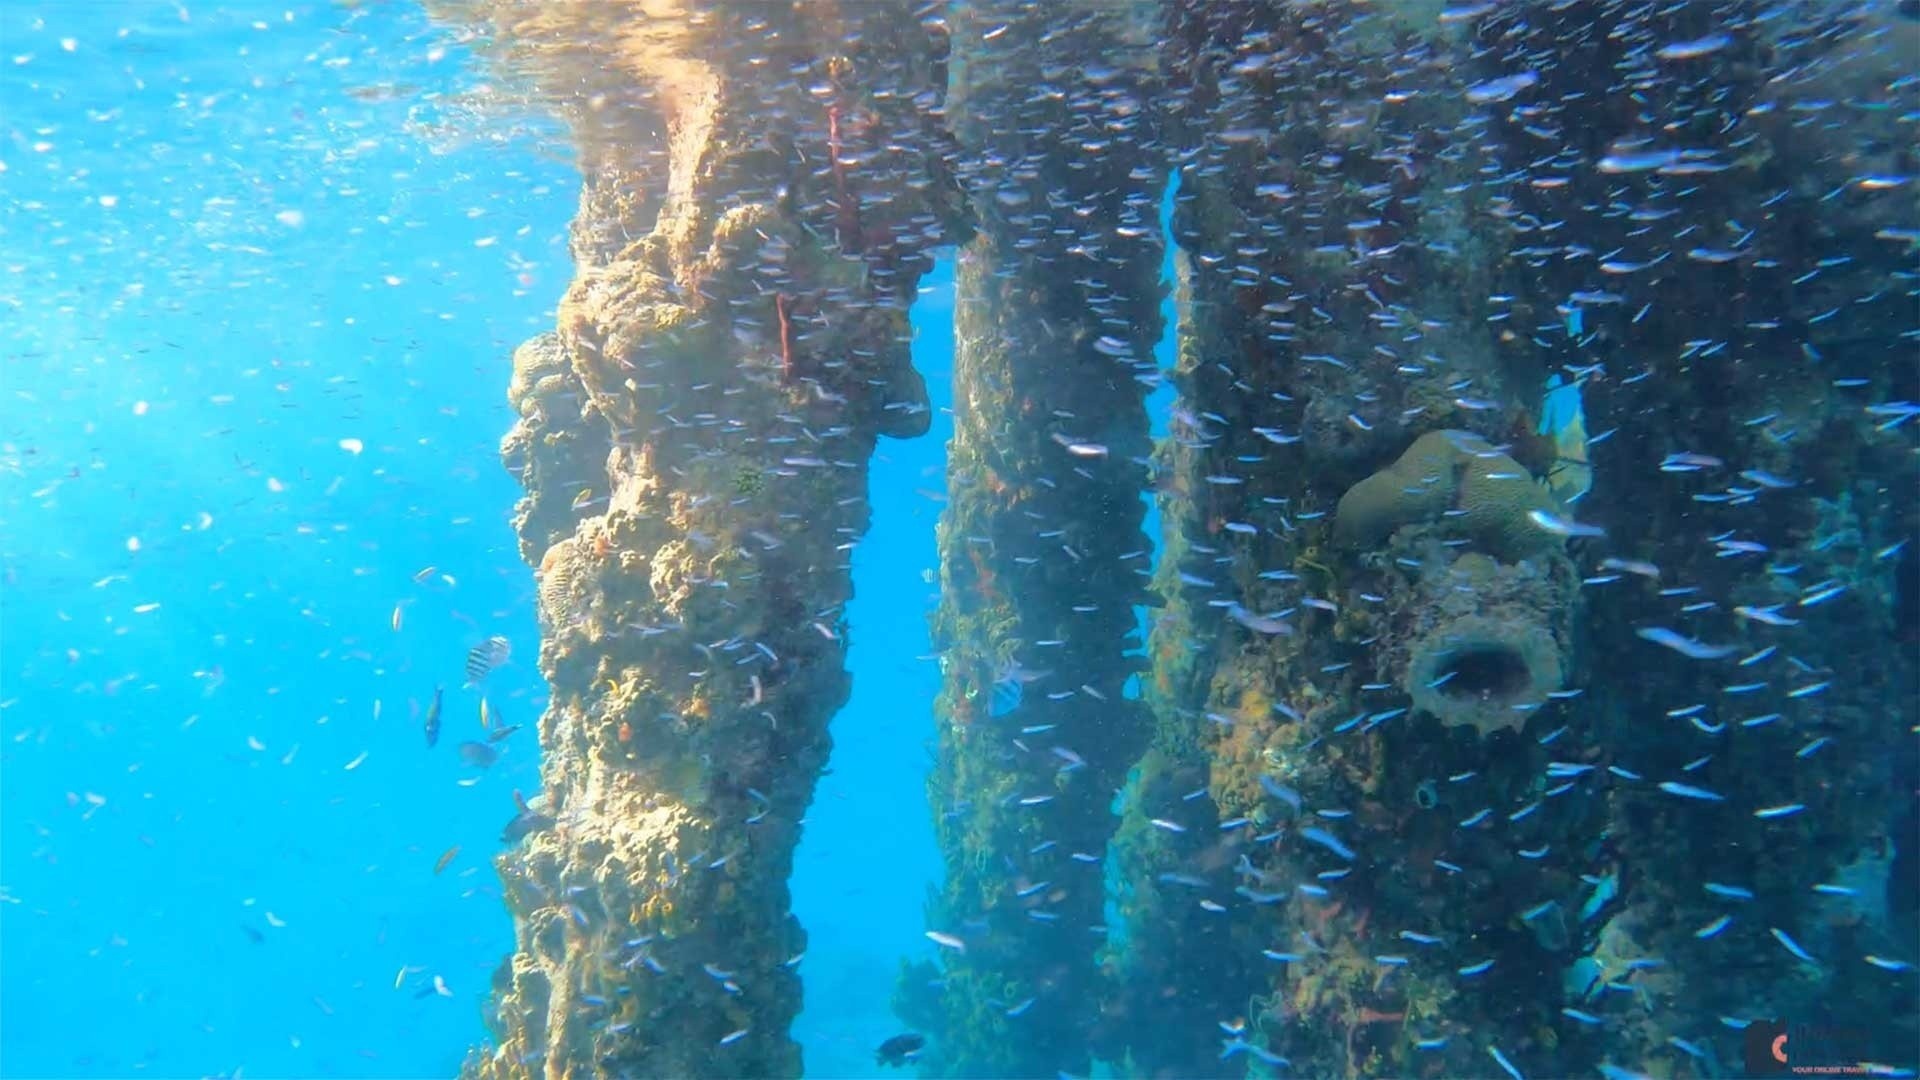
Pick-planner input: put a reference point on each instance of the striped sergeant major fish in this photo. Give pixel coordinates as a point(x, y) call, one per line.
point(486, 656)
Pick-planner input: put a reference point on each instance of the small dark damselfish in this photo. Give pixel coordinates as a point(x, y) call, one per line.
point(900, 1049)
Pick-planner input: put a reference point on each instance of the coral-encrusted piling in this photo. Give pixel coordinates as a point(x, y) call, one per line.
point(1759, 493)
point(1042, 553)
point(1524, 793)
point(1301, 823)
point(762, 185)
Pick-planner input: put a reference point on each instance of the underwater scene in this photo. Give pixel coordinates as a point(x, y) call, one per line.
point(992, 539)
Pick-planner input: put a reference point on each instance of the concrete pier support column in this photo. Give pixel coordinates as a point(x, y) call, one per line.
point(762, 185)
point(1751, 349)
point(1295, 818)
point(1042, 554)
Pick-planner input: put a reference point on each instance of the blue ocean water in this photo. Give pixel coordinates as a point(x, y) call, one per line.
point(221, 820)
point(867, 857)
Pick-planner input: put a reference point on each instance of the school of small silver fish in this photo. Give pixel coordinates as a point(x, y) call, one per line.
point(1623, 230)
point(1630, 225)
point(1663, 218)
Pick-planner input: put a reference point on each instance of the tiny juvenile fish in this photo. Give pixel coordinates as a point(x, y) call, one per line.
point(1501, 89)
point(1686, 646)
point(445, 859)
point(1689, 462)
point(1464, 12)
point(1769, 615)
point(1559, 526)
point(1327, 840)
point(1713, 927)
point(1632, 566)
point(1822, 595)
point(433, 719)
point(1791, 945)
point(1259, 624)
point(1688, 791)
point(1693, 50)
point(1280, 791)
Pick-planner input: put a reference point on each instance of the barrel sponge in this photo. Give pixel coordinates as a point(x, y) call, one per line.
point(1442, 471)
point(1487, 671)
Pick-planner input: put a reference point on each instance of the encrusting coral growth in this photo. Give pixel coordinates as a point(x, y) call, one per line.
point(559, 437)
point(694, 438)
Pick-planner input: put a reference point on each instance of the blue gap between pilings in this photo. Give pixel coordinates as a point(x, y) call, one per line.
point(1159, 406)
point(867, 858)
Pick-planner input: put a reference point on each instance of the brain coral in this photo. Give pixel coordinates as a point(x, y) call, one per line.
point(540, 367)
point(1457, 480)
